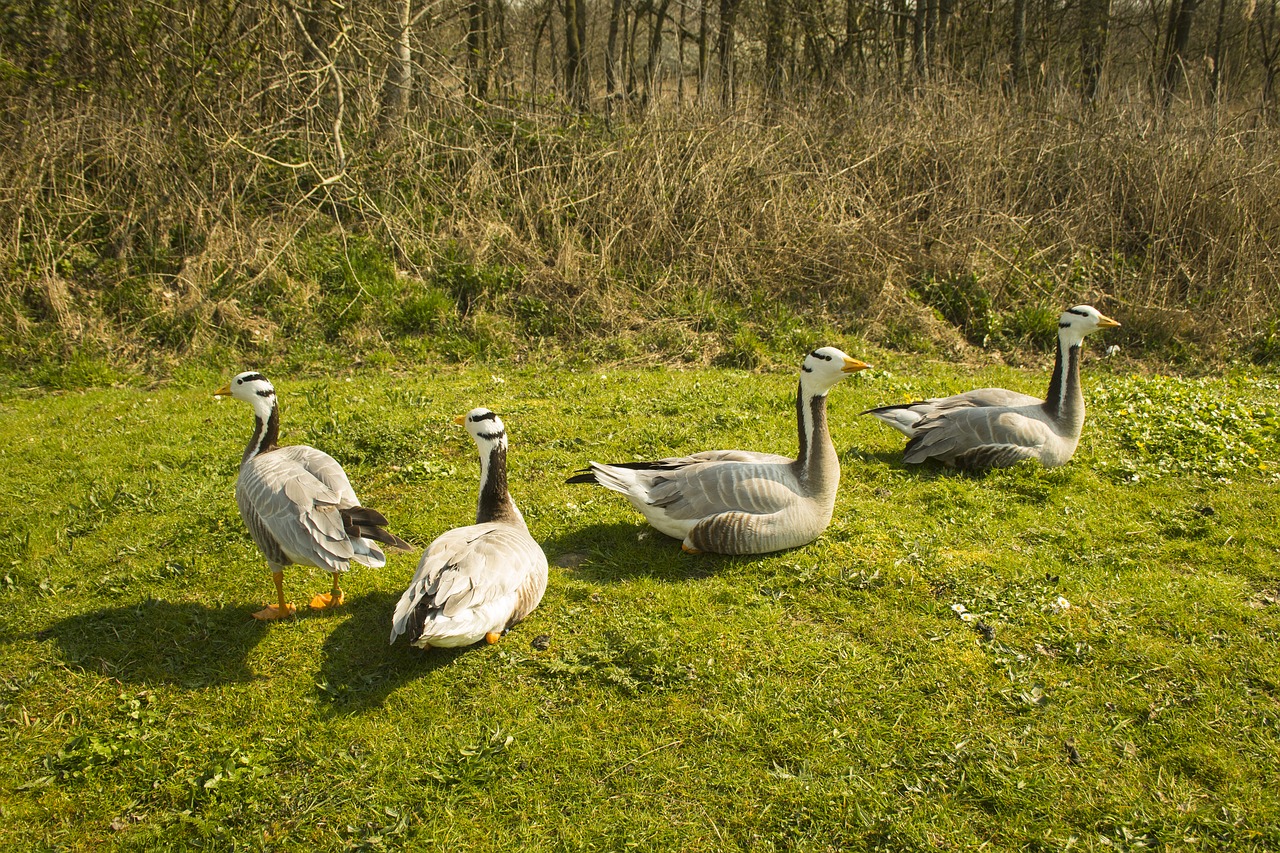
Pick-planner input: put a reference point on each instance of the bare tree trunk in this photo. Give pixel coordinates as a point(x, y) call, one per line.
point(852, 35)
point(815, 48)
point(919, 38)
point(499, 55)
point(774, 54)
point(611, 52)
point(1268, 52)
point(702, 51)
point(399, 85)
point(1215, 73)
point(577, 83)
point(900, 22)
point(326, 56)
point(1017, 48)
point(941, 42)
point(1181, 15)
point(655, 50)
point(728, 21)
point(544, 23)
point(680, 33)
point(477, 50)
point(1095, 23)
point(630, 86)
point(931, 34)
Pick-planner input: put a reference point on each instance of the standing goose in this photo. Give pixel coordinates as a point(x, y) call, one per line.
point(298, 503)
point(739, 501)
point(994, 428)
point(476, 582)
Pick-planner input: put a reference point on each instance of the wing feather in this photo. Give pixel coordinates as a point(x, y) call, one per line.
point(471, 581)
point(289, 511)
point(977, 439)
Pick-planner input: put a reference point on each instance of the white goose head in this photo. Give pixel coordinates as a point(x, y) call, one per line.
point(486, 428)
point(490, 436)
point(1075, 323)
point(254, 389)
point(826, 366)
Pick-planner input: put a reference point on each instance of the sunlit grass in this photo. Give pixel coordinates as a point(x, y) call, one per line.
point(1036, 659)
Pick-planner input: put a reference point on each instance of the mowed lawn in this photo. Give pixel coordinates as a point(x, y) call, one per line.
point(1082, 658)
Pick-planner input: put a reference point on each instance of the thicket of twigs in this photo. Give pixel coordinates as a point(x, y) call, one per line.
point(249, 206)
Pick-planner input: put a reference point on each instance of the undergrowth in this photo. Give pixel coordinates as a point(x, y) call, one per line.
point(941, 224)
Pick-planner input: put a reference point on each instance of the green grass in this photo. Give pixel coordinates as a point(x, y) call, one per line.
point(826, 698)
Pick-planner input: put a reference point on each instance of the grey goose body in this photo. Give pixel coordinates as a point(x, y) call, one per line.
point(478, 581)
point(739, 501)
point(298, 503)
point(994, 427)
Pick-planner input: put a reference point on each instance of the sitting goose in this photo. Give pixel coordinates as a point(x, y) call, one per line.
point(476, 582)
point(739, 501)
point(298, 503)
point(994, 428)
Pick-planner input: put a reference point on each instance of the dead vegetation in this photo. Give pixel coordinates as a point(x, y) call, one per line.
point(934, 222)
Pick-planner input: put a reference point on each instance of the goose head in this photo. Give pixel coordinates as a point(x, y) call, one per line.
point(485, 428)
point(1075, 323)
point(252, 387)
point(826, 366)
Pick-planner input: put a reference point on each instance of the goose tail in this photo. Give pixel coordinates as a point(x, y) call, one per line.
point(360, 522)
point(901, 417)
point(620, 478)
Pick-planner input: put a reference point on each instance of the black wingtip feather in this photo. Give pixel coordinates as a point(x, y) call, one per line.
point(587, 475)
point(890, 408)
point(367, 524)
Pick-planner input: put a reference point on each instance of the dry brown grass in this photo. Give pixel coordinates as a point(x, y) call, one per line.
point(689, 234)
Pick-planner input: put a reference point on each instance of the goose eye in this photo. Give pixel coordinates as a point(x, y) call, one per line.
point(239, 381)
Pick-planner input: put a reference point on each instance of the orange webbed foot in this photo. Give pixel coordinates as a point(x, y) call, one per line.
point(326, 600)
point(689, 549)
point(274, 611)
point(493, 637)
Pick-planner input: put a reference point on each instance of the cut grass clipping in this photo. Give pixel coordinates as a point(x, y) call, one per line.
point(1038, 659)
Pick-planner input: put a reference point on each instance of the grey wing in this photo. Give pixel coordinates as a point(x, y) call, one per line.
point(470, 567)
point(715, 487)
point(990, 456)
point(737, 456)
point(989, 398)
point(293, 512)
point(978, 438)
point(324, 468)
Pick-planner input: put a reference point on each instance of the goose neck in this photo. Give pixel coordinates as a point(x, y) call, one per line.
point(819, 467)
point(495, 502)
point(266, 432)
point(1064, 401)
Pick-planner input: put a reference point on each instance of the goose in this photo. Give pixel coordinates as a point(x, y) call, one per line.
point(476, 582)
point(993, 427)
point(298, 503)
point(739, 501)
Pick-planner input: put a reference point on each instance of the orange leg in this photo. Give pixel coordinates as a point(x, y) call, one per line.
point(277, 611)
point(332, 598)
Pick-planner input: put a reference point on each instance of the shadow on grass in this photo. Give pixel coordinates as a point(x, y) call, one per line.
point(931, 469)
point(359, 669)
point(159, 642)
point(608, 553)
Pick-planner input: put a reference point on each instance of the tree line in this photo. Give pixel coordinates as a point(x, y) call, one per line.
point(372, 64)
